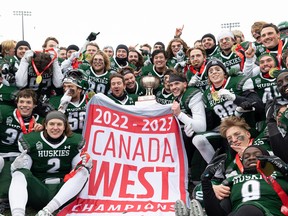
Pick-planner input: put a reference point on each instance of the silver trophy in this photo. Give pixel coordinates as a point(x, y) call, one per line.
point(150, 83)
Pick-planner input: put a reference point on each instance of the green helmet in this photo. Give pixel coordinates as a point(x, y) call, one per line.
point(283, 25)
point(77, 77)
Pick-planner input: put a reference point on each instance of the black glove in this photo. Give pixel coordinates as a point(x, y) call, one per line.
point(92, 36)
point(10, 78)
point(216, 162)
point(247, 106)
point(270, 111)
point(277, 163)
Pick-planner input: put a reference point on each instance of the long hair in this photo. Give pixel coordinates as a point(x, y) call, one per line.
point(140, 62)
point(105, 57)
point(169, 49)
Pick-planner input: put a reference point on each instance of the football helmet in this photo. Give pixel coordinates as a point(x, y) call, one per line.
point(77, 77)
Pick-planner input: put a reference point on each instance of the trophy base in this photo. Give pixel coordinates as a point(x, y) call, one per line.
point(146, 100)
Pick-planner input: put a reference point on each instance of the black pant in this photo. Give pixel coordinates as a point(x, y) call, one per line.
point(247, 210)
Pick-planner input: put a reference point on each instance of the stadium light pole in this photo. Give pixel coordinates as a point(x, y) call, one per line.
point(230, 25)
point(22, 14)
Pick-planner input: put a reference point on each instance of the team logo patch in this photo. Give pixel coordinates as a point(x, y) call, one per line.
point(39, 145)
point(9, 120)
point(88, 72)
point(258, 80)
point(261, 49)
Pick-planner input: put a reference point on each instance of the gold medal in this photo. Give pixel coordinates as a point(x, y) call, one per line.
point(215, 95)
point(39, 79)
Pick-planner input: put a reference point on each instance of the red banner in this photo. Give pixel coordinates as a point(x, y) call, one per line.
point(139, 161)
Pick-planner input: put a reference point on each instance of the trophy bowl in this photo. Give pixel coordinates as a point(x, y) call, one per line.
point(149, 82)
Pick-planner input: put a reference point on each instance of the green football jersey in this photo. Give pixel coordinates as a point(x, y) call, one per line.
point(172, 62)
point(51, 160)
point(213, 53)
point(43, 88)
point(98, 83)
point(252, 189)
point(139, 90)
point(10, 130)
point(203, 79)
point(11, 62)
point(134, 67)
point(163, 98)
point(16, 63)
point(84, 66)
point(265, 88)
point(128, 100)
point(230, 61)
point(8, 94)
point(75, 113)
point(223, 107)
point(263, 140)
point(259, 48)
point(151, 69)
point(115, 67)
point(185, 99)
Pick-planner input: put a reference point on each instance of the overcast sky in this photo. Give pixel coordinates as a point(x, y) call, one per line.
point(131, 22)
